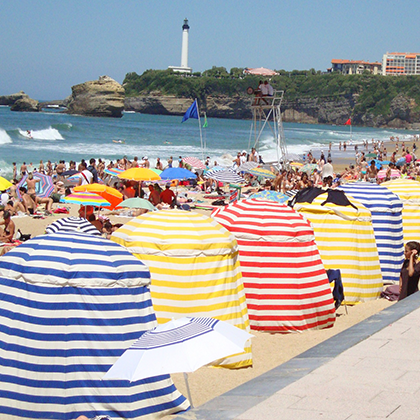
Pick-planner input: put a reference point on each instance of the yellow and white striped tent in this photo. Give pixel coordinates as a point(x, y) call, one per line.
point(346, 241)
point(408, 191)
point(194, 267)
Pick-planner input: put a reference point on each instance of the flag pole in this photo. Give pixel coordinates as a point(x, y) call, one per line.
point(199, 126)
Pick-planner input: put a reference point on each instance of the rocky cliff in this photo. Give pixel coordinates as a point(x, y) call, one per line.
point(325, 110)
point(99, 98)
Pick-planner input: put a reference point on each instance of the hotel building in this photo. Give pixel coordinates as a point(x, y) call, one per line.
point(401, 64)
point(355, 66)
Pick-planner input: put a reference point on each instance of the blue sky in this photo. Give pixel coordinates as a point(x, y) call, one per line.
point(47, 46)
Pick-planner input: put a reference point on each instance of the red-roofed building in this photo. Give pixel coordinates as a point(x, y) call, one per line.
point(397, 64)
point(355, 66)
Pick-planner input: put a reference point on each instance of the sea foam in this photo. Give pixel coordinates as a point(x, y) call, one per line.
point(4, 137)
point(45, 134)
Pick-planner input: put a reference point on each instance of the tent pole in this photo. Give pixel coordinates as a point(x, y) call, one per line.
point(188, 389)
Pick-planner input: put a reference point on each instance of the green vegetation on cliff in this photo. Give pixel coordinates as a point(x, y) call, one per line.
point(375, 93)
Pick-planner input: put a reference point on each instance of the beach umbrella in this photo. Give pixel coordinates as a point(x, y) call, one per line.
point(70, 172)
point(177, 173)
point(113, 171)
point(394, 173)
point(194, 267)
point(156, 171)
point(286, 285)
point(296, 164)
point(264, 173)
point(246, 166)
point(401, 161)
point(194, 162)
point(137, 203)
point(113, 196)
point(308, 168)
point(386, 209)
point(139, 174)
point(4, 184)
point(372, 155)
point(260, 71)
point(86, 199)
point(227, 176)
point(43, 188)
point(72, 224)
point(270, 195)
point(345, 239)
point(181, 345)
point(74, 178)
point(408, 191)
point(71, 305)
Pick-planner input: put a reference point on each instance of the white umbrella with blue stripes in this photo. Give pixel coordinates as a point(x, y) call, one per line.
point(227, 176)
point(180, 345)
point(71, 305)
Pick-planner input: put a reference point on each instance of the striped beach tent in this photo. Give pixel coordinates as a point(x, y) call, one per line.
point(286, 285)
point(346, 241)
point(386, 209)
point(408, 191)
point(72, 224)
point(71, 304)
point(194, 266)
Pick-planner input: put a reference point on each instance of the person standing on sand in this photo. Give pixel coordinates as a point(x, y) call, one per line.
point(31, 185)
point(86, 176)
point(410, 271)
point(14, 170)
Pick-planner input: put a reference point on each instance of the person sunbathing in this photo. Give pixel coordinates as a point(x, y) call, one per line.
point(8, 232)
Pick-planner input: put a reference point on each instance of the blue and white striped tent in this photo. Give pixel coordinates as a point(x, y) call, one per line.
point(386, 209)
point(71, 303)
point(72, 224)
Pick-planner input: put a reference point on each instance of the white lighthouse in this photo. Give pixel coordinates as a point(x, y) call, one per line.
point(184, 52)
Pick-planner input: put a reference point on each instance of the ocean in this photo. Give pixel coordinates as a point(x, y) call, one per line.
point(59, 136)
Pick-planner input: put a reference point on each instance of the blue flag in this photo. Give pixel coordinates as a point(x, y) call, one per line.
point(192, 112)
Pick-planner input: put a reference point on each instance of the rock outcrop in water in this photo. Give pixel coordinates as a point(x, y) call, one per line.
point(25, 104)
point(99, 98)
point(20, 102)
point(11, 99)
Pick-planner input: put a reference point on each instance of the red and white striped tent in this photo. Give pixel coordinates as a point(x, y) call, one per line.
point(286, 285)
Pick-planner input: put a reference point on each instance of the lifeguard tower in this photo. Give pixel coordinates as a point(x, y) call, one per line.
point(266, 116)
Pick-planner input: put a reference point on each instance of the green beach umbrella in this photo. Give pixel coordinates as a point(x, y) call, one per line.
point(136, 203)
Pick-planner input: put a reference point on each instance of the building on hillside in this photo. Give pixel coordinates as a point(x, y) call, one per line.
point(355, 66)
point(183, 68)
point(400, 64)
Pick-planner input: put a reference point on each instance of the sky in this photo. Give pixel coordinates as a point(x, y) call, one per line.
point(47, 46)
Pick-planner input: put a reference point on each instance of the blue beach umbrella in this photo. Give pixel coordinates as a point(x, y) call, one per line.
point(177, 173)
point(71, 305)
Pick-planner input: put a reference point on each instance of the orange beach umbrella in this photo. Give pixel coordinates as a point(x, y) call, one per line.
point(110, 194)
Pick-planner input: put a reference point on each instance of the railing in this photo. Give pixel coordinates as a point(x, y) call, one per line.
point(268, 101)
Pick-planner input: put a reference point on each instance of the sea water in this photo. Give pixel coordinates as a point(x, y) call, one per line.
point(57, 136)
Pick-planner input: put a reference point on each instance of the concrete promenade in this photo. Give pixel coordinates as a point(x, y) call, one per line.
point(370, 371)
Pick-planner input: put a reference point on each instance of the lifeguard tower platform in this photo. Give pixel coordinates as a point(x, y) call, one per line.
point(266, 117)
